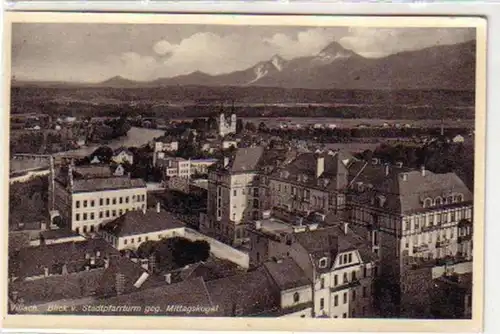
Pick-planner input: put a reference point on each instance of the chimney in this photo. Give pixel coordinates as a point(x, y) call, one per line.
point(158, 207)
point(405, 176)
point(87, 268)
point(226, 161)
point(266, 214)
point(144, 209)
point(65, 269)
point(70, 174)
point(386, 170)
point(46, 271)
point(422, 169)
point(320, 166)
point(168, 278)
point(346, 228)
point(120, 284)
point(258, 225)
point(106, 263)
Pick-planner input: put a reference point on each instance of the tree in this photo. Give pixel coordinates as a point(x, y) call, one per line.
point(239, 125)
point(103, 153)
point(146, 249)
point(250, 127)
point(262, 127)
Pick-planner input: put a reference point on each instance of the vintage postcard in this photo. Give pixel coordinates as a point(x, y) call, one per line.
point(253, 172)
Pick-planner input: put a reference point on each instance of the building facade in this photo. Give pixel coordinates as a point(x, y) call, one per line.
point(338, 262)
point(413, 213)
point(85, 204)
point(233, 195)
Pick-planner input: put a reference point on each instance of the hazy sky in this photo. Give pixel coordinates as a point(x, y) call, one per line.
point(96, 52)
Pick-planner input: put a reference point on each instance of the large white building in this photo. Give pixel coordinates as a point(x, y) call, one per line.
point(133, 228)
point(85, 201)
point(233, 195)
point(185, 168)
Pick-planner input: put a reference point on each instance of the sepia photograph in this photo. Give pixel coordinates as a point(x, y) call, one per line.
point(319, 169)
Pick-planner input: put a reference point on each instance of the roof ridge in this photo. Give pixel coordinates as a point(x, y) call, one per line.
point(206, 291)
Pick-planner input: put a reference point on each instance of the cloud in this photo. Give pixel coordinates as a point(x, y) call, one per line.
point(380, 42)
point(163, 47)
point(89, 53)
point(304, 43)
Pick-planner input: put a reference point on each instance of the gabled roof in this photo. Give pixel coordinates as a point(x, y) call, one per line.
point(287, 274)
point(247, 159)
point(404, 192)
point(248, 294)
point(190, 293)
point(122, 149)
point(31, 261)
point(139, 222)
point(95, 282)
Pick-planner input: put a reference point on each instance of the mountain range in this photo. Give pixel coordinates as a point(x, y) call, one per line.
point(447, 67)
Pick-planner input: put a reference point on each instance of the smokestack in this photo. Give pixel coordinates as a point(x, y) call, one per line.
point(158, 207)
point(120, 283)
point(320, 166)
point(422, 170)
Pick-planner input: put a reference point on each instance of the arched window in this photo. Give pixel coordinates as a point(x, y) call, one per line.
point(438, 201)
point(449, 200)
point(427, 202)
point(296, 297)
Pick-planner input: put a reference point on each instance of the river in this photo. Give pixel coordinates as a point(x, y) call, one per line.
point(135, 137)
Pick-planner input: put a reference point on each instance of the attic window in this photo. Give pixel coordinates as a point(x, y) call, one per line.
point(460, 198)
point(427, 202)
point(323, 262)
point(438, 201)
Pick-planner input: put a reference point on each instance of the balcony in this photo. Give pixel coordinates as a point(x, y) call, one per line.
point(464, 238)
point(442, 244)
point(344, 286)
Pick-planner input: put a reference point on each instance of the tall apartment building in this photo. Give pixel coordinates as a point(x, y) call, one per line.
point(313, 182)
point(87, 198)
point(412, 214)
point(338, 262)
point(233, 195)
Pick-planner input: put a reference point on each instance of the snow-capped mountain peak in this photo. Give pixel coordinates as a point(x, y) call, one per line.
point(260, 72)
point(278, 62)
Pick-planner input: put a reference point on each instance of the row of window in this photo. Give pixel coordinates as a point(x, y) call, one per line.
point(345, 277)
point(110, 201)
point(250, 191)
point(103, 214)
point(431, 219)
point(429, 238)
point(429, 202)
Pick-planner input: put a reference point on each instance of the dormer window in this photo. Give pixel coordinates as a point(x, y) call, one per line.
point(427, 203)
point(460, 198)
point(438, 201)
point(449, 200)
point(323, 262)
